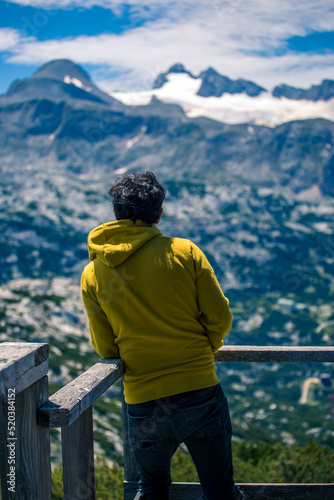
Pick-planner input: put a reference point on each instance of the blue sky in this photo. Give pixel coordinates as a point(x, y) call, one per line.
point(124, 46)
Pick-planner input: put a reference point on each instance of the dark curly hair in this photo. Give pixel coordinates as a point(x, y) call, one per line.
point(137, 196)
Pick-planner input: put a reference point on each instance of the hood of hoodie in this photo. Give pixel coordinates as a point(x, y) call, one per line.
point(114, 242)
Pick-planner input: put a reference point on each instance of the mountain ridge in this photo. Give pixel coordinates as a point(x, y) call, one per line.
point(72, 125)
point(322, 92)
point(215, 85)
point(60, 79)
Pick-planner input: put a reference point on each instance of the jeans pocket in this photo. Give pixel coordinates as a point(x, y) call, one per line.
point(143, 432)
point(209, 419)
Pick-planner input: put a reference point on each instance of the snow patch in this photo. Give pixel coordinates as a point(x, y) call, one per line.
point(264, 109)
point(78, 83)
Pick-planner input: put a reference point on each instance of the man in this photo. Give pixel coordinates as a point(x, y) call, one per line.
point(155, 302)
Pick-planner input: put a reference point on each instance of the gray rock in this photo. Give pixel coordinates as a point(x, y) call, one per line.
point(322, 92)
point(214, 84)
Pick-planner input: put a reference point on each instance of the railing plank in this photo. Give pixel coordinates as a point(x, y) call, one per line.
point(264, 491)
point(280, 354)
point(306, 491)
point(65, 406)
point(78, 458)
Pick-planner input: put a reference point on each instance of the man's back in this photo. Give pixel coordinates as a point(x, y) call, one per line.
point(151, 300)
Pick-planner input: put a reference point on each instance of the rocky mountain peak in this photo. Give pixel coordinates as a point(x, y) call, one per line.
point(59, 80)
point(162, 77)
point(59, 69)
point(215, 84)
point(322, 92)
point(179, 68)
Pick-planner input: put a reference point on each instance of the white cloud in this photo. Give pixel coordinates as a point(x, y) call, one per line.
point(9, 39)
point(239, 38)
point(308, 14)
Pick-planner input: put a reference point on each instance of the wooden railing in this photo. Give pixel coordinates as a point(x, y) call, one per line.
point(27, 413)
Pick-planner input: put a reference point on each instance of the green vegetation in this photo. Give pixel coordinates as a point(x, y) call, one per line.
point(253, 463)
point(108, 480)
point(279, 463)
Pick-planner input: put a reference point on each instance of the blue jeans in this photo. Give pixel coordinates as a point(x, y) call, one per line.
point(201, 420)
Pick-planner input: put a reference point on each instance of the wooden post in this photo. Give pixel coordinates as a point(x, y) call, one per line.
point(78, 458)
point(25, 447)
point(71, 409)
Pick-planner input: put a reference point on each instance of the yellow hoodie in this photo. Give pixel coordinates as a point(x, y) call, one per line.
point(155, 302)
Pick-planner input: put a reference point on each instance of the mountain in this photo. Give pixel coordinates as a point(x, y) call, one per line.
point(162, 78)
point(58, 80)
point(79, 126)
point(233, 101)
point(214, 84)
point(60, 68)
point(322, 92)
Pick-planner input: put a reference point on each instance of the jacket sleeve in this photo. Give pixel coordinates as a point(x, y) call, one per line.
point(101, 334)
point(215, 314)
